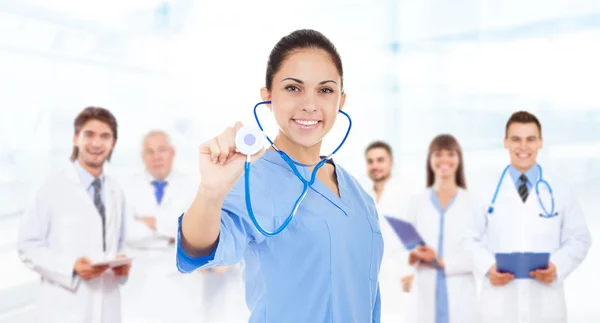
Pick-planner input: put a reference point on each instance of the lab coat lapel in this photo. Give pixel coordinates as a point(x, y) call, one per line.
point(514, 199)
point(110, 198)
point(81, 191)
point(509, 191)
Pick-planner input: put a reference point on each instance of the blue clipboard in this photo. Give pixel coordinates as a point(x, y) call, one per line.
point(406, 232)
point(521, 264)
point(409, 236)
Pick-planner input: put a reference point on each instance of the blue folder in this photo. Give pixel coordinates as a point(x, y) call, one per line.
point(409, 236)
point(521, 264)
point(406, 232)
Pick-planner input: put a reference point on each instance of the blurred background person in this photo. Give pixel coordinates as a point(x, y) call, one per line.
point(157, 292)
point(390, 196)
point(446, 293)
point(75, 219)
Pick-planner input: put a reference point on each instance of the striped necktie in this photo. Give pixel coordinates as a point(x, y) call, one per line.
point(523, 191)
point(101, 209)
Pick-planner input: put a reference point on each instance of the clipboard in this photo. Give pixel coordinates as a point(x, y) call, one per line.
point(409, 236)
point(113, 262)
point(406, 232)
point(521, 263)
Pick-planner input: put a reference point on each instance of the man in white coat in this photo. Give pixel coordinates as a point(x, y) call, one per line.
point(390, 197)
point(75, 219)
point(521, 222)
point(156, 291)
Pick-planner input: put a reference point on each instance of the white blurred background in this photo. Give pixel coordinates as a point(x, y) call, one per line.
point(413, 69)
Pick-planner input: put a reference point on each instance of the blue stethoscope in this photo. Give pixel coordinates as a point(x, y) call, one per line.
point(292, 164)
point(546, 214)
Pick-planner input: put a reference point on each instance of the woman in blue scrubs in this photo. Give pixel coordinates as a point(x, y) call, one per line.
point(324, 266)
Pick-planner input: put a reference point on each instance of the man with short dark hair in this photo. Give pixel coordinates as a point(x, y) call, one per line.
point(389, 195)
point(75, 220)
point(531, 211)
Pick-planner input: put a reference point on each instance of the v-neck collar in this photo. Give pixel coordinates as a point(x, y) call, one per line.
point(319, 187)
point(437, 204)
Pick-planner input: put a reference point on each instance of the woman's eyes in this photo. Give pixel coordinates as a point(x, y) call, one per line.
point(296, 89)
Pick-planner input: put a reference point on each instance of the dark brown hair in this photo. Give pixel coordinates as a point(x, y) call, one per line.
point(380, 144)
point(522, 117)
point(446, 142)
point(298, 40)
point(93, 113)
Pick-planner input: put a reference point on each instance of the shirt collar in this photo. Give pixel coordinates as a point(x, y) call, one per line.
point(149, 178)
point(84, 176)
point(532, 174)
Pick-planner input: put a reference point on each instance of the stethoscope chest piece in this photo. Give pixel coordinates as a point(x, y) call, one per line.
point(249, 141)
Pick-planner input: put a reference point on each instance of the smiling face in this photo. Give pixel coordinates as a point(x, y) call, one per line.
point(95, 142)
point(523, 141)
point(305, 96)
point(444, 163)
point(379, 164)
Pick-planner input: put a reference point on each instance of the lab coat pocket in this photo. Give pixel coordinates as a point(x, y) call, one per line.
point(548, 228)
point(376, 247)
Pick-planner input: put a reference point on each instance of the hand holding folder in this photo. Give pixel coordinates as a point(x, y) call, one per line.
point(406, 232)
point(411, 239)
point(547, 275)
point(522, 264)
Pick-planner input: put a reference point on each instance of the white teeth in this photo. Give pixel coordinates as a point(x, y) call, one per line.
point(306, 122)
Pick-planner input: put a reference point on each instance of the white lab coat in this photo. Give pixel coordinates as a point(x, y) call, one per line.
point(223, 299)
point(460, 279)
point(516, 227)
point(60, 225)
point(156, 291)
point(395, 304)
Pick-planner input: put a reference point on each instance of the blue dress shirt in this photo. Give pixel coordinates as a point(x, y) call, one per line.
point(86, 180)
point(532, 175)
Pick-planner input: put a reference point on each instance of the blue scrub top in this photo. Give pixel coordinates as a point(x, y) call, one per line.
point(322, 268)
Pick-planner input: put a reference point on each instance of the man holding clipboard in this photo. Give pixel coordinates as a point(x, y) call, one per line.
point(529, 239)
point(73, 231)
